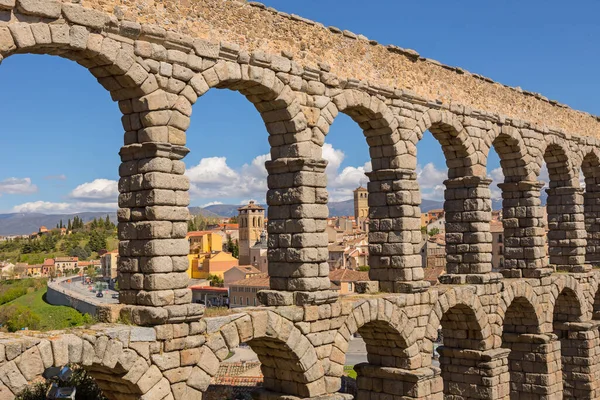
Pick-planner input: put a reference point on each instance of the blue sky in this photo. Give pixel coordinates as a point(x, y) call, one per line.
point(61, 131)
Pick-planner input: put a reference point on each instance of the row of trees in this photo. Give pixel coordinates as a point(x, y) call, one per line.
point(200, 222)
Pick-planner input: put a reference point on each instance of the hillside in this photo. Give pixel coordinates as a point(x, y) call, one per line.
point(26, 223)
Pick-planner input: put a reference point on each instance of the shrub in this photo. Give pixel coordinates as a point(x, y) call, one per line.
point(87, 389)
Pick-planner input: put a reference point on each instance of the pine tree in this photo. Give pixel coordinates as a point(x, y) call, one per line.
point(69, 227)
point(61, 224)
point(107, 223)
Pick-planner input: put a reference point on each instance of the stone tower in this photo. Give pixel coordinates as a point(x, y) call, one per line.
point(251, 219)
point(361, 204)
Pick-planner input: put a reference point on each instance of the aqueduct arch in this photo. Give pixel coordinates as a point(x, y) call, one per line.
point(157, 64)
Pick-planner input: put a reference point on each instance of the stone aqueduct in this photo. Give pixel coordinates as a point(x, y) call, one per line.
point(530, 332)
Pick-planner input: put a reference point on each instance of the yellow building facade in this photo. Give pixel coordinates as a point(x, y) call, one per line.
point(204, 242)
point(203, 265)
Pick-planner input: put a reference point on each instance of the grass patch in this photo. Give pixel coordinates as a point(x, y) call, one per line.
point(349, 371)
point(50, 317)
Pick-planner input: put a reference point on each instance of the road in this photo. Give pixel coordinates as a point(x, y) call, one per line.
point(77, 287)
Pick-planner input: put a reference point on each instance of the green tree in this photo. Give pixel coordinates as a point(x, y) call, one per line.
point(15, 317)
point(69, 226)
point(364, 268)
point(91, 271)
point(434, 231)
point(80, 252)
point(215, 280)
point(97, 241)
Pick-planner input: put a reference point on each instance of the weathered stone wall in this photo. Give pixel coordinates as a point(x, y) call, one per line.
point(350, 56)
point(490, 321)
point(532, 336)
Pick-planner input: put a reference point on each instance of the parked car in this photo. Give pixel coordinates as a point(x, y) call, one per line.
point(99, 294)
point(115, 295)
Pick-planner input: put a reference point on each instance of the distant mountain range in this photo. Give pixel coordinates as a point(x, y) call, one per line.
point(26, 223)
point(336, 208)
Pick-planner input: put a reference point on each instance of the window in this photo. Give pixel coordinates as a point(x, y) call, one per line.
point(500, 250)
point(233, 299)
point(349, 286)
point(255, 302)
point(500, 238)
point(247, 301)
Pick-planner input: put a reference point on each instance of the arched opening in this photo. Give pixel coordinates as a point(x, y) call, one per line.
point(386, 348)
point(566, 226)
point(590, 168)
point(521, 335)
point(348, 164)
point(466, 201)
point(465, 341)
point(516, 226)
point(288, 361)
point(229, 146)
point(375, 349)
point(567, 312)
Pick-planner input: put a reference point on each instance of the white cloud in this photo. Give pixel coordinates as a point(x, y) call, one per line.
point(340, 184)
point(213, 178)
point(99, 189)
point(17, 186)
point(97, 195)
point(431, 181)
point(497, 176)
point(47, 207)
point(212, 203)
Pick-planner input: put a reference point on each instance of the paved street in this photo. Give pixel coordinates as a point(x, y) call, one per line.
point(76, 286)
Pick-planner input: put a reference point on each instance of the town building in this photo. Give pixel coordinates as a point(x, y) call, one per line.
point(258, 254)
point(62, 264)
point(431, 215)
point(242, 293)
point(108, 265)
point(433, 251)
point(203, 265)
point(438, 223)
point(251, 220)
point(240, 272)
point(361, 204)
point(204, 242)
point(346, 279)
point(210, 296)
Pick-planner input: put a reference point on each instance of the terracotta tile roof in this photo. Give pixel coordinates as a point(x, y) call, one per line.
point(229, 226)
point(261, 281)
point(348, 275)
point(251, 206)
point(49, 262)
point(197, 233)
point(66, 259)
point(436, 211)
point(432, 274)
point(248, 269)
